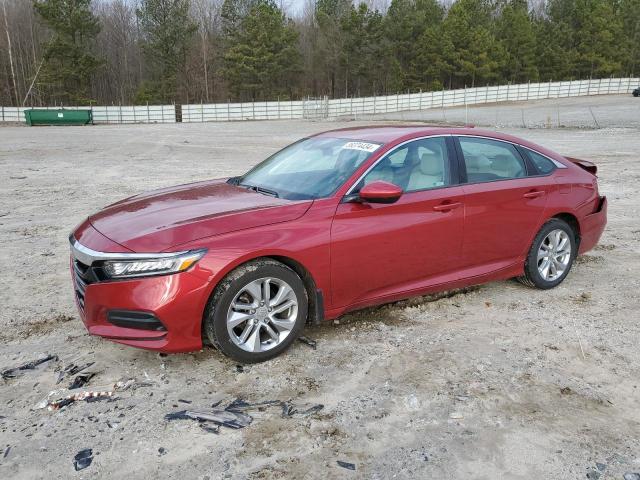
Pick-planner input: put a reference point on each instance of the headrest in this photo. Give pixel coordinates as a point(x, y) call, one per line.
point(502, 162)
point(477, 162)
point(431, 164)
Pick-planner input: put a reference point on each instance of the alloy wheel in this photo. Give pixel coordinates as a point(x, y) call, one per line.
point(554, 255)
point(262, 314)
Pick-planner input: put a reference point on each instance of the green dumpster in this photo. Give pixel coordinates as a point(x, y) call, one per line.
point(58, 117)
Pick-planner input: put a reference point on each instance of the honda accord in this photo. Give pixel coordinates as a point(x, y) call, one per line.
point(339, 221)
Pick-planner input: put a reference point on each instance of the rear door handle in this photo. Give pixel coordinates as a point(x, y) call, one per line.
point(534, 194)
point(445, 207)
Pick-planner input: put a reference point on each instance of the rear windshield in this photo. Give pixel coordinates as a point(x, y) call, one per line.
point(309, 169)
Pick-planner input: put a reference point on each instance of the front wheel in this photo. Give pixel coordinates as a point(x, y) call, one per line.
point(257, 311)
point(551, 255)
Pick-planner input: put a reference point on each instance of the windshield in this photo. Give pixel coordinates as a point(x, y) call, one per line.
point(311, 168)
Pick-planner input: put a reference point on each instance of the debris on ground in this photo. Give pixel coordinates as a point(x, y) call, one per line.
point(234, 416)
point(239, 368)
point(17, 371)
point(239, 405)
point(77, 397)
point(162, 451)
point(631, 476)
point(290, 410)
point(6, 452)
point(307, 341)
point(71, 370)
point(81, 380)
point(89, 396)
point(225, 418)
point(566, 391)
point(347, 465)
point(83, 459)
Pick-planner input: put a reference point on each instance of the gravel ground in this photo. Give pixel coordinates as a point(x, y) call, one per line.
point(499, 381)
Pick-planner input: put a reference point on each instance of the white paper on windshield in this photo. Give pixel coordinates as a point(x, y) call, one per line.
point(366, 147)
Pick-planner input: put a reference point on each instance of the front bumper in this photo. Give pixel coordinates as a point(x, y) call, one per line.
point(592, 226)
point(175, 302)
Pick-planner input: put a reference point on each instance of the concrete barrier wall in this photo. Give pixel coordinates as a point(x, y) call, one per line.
point(348, 107)
point(324, 108)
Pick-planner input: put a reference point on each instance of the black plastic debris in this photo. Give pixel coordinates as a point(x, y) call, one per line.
point(239, 368)
point(184, 401)
point(81, 380)
point(307, 341)
point(209, 428)
point(234, 416)
point(71, 369)
point(162, 451)
point(17, 371)
point(290, 410)
point(225, 418)
point(83, 459)
point(239, 405)
point(347, 465)
point(6, 452)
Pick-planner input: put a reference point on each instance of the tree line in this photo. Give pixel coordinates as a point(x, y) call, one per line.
point(77, 52)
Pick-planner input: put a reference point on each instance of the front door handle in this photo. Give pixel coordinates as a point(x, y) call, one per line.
point(534, 194)
point(445, 207)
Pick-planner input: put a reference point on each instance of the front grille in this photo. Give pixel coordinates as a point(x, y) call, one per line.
point(82, 276)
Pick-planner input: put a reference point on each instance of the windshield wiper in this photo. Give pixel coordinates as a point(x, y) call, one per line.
point(255, 188)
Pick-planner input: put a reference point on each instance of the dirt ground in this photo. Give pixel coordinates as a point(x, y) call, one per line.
point(500, 381)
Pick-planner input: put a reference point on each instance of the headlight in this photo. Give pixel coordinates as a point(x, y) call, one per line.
point(144, 267)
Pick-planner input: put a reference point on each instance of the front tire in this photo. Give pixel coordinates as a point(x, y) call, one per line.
point(256, 311)
point(551, 255)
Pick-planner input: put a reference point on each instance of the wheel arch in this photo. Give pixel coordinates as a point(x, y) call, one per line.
point(314, 295)
point(573, 222)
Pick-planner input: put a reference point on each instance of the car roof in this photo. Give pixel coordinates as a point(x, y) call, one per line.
point(393, 133)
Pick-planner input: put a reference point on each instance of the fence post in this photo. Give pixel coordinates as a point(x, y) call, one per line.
point(253, 109)
point(228, 110)
point(3, 114)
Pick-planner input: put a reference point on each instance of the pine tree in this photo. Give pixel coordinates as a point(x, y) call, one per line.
point(68, 62)
point(167, 32)
point(516, 32)
point(405, 23)
point(262, 57)
point(330, 16)
point(599, 39)
point(362, 51)
point(476, 56)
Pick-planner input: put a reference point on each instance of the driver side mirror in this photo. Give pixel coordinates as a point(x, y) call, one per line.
point(380, 191)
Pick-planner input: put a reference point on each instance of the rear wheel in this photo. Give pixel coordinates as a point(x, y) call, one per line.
point(551, 255)
point(257, 311)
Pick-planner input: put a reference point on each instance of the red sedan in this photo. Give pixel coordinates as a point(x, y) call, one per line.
point(335, 222)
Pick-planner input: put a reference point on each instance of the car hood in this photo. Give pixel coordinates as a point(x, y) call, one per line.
point(161, 219)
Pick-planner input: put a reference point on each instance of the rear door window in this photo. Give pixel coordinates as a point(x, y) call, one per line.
point(488, 160)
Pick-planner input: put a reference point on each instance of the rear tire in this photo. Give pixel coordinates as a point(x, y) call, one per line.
point(551, 255)
point(256, 311)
